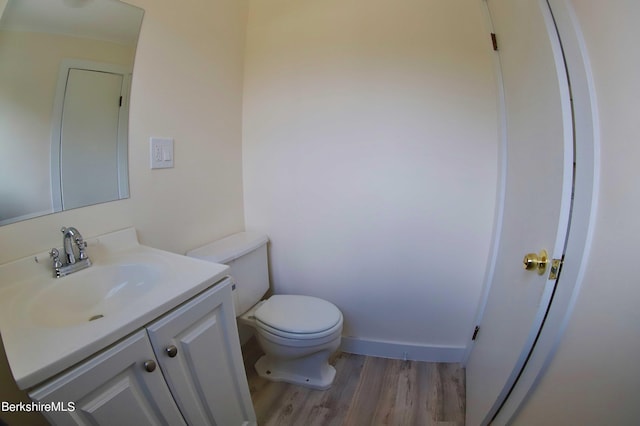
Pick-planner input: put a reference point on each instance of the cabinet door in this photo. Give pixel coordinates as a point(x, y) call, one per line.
point(205, 371)
point(113, 388)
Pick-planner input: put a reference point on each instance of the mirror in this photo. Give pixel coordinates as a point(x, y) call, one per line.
point(65, 73)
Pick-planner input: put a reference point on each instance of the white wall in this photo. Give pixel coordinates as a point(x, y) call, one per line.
point(594, 378)
point(187, 84)
point(370, 159)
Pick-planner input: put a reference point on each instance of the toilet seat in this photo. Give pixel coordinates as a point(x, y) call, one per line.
point(298, 317)
point(299, 336)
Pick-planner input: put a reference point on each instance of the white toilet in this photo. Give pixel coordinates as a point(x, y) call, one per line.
point(297, 333)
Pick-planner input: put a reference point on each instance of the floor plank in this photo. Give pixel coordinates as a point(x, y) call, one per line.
point(366, 391)
point(408, 396)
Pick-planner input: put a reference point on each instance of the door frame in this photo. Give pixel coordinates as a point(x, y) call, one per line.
point(583, 215)
point(56, 124)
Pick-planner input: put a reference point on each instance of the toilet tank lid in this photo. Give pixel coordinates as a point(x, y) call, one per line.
point(230, 248)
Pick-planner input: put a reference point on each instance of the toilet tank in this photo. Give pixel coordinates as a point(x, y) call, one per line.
point(246, 255)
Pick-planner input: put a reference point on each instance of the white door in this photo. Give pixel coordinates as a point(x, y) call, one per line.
point(539, 173)
point(89, 138)
point(113, 388)
point(199, 352)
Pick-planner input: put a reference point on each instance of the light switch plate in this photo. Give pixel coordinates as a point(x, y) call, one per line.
point(161, 153)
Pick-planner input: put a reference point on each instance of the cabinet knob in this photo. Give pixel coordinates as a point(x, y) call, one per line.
point(150, 365)
point(171, 351)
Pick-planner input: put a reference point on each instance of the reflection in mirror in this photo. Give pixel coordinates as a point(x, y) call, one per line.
point(65, 73)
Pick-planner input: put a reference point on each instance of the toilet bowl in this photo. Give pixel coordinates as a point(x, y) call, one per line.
point(298, 333)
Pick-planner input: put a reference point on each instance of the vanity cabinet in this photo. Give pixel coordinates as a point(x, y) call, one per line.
point(198, 349)
point(113, 388)
point(183, 368)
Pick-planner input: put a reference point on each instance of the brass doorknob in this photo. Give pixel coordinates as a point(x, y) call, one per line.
point(536, 262)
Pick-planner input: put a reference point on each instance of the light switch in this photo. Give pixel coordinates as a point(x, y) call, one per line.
point(161, 151)
point(167, 153)
point(157, 152)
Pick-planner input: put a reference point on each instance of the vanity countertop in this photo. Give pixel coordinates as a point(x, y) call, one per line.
point(48, 324)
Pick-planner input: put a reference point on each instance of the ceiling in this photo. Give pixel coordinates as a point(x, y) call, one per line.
point(109, 20)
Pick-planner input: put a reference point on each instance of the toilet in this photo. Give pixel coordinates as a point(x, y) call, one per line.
point(297, 333)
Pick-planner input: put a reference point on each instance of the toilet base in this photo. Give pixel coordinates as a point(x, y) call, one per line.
point(312, 371)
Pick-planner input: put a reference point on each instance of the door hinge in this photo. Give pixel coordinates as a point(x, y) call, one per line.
point(556, 267)
point(475, 332)
point(120, 101)
point(494, 41)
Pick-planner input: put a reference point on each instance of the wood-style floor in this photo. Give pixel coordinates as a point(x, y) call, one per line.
point(367, 391)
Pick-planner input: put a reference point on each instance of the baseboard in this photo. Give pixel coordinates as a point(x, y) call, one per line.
point(398, 350)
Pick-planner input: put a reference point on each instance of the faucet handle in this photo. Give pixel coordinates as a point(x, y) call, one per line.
point(55, 255)
point(82, 244)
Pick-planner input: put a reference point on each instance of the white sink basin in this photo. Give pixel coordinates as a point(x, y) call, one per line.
point(92, 294)
point(48, 324)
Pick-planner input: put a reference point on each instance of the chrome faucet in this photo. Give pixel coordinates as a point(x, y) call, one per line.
point(71, 237)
